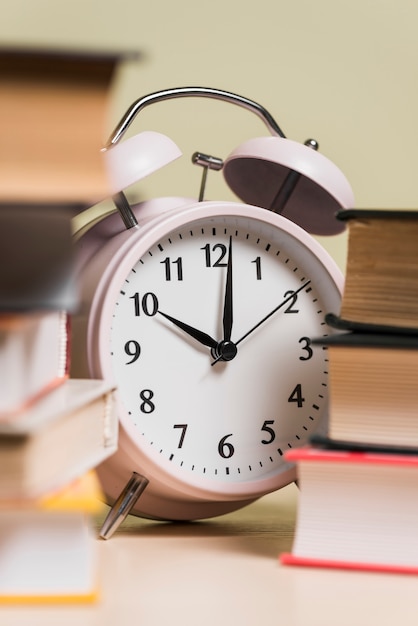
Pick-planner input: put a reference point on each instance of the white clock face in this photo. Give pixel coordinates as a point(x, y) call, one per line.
point(199, 416)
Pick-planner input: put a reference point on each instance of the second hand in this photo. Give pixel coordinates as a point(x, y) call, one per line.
point(292, 295)
point(282, 304)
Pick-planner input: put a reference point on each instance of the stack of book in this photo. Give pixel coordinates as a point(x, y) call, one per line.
point(358, 501)
point(54, 430)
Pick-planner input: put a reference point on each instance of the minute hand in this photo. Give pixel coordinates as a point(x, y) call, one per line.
point(228, 306)
point(285, 301)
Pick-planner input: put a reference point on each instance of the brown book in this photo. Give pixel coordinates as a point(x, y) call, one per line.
point(381, 287)
point(53, 108)
point(373, 391)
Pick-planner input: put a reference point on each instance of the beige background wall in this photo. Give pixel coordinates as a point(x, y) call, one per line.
point(341, 71)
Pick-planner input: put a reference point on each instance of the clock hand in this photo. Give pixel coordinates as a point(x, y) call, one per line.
point(226, 349)
point(199, 335)
point(285, 301)
point(228, 315)
point(219, 357)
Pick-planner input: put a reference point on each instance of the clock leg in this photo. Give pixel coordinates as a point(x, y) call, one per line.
point(123, 504)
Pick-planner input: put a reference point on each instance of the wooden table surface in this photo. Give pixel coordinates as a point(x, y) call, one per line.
point(226, 572)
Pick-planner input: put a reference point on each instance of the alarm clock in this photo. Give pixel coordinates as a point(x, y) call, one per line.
point(202, 313)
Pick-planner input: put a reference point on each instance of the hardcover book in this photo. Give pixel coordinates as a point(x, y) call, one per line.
point(48, 548)
point(357, 510)
point(36, 259)
point(67, 432)
point(34, 358)
point(373, 391)
point(53, 112)
point(381, 289)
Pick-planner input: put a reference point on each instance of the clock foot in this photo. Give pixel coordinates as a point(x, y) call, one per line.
point(123, 504)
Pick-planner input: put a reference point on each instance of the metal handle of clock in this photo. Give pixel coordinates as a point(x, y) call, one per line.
point(182, 92)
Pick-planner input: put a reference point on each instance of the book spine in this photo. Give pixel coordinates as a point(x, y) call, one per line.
point(64, 345)
point(287, 558)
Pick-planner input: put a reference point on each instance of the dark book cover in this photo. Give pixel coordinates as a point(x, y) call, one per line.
point(347, 214)
point(328, 443)
point(36, 258)
point(340, 323)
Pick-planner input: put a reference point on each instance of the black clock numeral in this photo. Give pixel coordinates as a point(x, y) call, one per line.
point(183, 428)
point(292, 302)
point(148, 304)
point(221, 251)
point(146, 396)
point(306, 348)
point(178, 268)
point(225, 448)
point(257, 263)
point(296, 396)
point(133, 349)
point(266, 427)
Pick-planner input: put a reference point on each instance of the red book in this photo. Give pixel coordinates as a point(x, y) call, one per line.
point(357, 510)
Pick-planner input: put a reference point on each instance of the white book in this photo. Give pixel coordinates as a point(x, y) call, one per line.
point(48, 552)
point(33, 358)
point(66, 433)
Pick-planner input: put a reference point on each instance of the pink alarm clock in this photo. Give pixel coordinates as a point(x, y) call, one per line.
point(202, 313)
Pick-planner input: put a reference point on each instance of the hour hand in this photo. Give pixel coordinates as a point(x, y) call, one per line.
point(199, 335)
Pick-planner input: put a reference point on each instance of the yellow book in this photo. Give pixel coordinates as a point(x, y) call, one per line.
point(48, 549)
